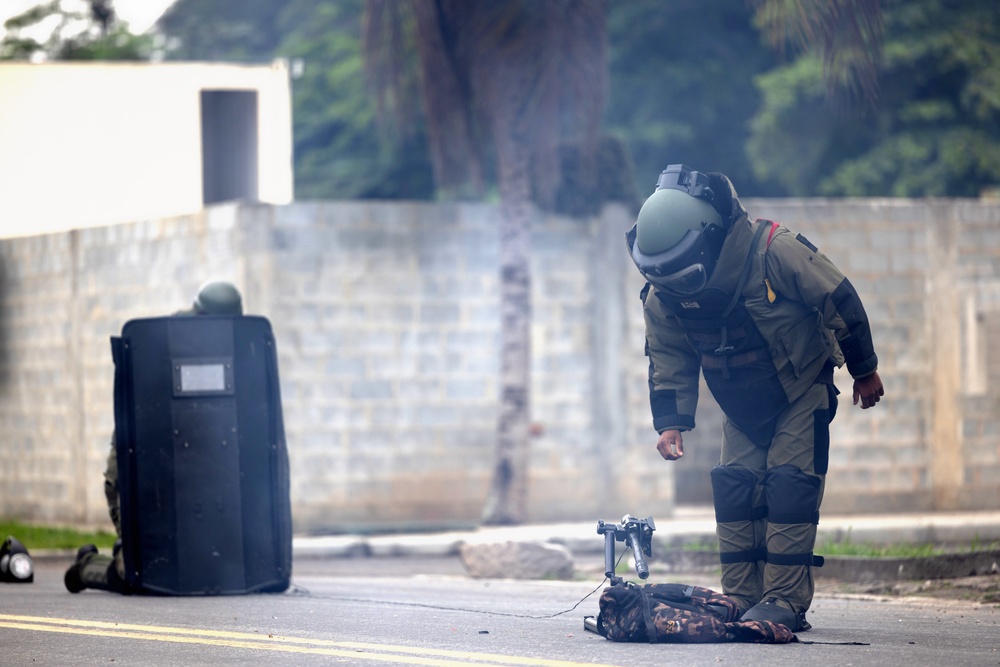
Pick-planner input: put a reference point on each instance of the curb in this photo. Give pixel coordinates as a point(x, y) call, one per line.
point(853, 569)
point(861, 570)
point(944, 566)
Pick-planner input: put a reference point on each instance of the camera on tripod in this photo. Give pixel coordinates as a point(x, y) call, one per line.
point(636, 533)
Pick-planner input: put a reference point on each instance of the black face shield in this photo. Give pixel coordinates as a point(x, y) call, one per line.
point(683, 269)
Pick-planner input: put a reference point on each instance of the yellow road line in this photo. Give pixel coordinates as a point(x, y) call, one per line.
point(355, 650)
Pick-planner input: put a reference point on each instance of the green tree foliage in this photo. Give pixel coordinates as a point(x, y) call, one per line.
point(682, 86)
point(847, 34)
point(244, 31)
point(77, 35)
point(934, 129)
point(341, 148)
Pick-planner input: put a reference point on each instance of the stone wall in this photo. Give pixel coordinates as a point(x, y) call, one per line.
point(387, 322)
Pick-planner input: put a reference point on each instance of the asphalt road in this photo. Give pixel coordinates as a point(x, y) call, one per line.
point(426, 612)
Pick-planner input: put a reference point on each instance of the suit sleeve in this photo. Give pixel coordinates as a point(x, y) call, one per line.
point(673, 368)
point(797, 270)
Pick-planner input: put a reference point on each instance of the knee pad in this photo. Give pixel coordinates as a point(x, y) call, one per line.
point(792, 495)
point(793, 499)
point(732, 494)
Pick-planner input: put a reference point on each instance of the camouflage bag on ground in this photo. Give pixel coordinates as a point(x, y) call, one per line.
point(682, 614)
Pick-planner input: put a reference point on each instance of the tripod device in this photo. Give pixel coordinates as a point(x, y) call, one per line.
point(635, 533)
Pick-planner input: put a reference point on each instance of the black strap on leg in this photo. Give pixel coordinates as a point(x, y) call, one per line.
point(760, 553)
point(796, 559)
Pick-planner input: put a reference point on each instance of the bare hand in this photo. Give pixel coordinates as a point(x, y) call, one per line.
point(670, 445)
point(869, 390)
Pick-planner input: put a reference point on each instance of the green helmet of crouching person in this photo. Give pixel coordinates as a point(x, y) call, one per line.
point(218, 297)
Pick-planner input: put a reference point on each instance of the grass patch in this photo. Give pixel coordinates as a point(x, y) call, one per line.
point(848, 549)
point(867, 550)
point(48, 537)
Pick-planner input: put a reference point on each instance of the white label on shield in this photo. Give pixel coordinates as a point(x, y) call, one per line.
point(203, 377)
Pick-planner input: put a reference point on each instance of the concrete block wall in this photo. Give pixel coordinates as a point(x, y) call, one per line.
point(385, 317)
point(61, 298)
point(39, 379)
point(387, 322)
point(978, 248)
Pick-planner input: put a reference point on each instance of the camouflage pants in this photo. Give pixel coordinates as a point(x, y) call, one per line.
point(104, 572)
point(767, 502)
point(99, 570)
point(111, 488)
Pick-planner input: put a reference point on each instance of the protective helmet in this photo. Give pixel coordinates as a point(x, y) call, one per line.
point(678, 233)
point(218, 297)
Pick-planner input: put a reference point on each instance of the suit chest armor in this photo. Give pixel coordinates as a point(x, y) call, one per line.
point(735, 356)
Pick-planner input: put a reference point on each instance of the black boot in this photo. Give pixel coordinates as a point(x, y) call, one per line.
point(776, 611)
point(74, 583)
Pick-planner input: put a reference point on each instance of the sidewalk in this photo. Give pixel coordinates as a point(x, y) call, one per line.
point(689, 525)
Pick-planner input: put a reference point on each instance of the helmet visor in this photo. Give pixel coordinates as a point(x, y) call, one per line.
point(683, 269)
point(687, 281)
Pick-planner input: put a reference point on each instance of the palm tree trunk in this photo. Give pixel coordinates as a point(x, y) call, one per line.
point(507, 500)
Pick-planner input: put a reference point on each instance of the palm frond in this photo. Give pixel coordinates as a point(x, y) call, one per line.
point(848, 34)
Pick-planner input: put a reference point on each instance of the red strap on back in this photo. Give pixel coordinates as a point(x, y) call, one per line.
point(770, 235)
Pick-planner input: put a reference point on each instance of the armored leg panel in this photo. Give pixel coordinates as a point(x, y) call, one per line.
point(740, 526)
point(793, 511)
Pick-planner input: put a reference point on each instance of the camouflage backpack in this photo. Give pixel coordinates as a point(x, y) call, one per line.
point(680, 613)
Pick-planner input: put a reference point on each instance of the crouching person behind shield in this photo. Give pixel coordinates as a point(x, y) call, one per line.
point(173, 475)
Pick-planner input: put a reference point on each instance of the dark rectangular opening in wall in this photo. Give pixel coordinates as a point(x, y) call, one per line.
point(228, 145)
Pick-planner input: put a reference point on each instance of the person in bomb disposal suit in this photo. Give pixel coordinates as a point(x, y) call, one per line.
point(766, 317)
point(92, 569)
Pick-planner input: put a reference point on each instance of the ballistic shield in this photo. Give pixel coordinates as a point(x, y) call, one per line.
point(202, 461)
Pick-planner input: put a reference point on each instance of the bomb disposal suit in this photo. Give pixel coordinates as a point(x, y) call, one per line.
point(766, 318)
